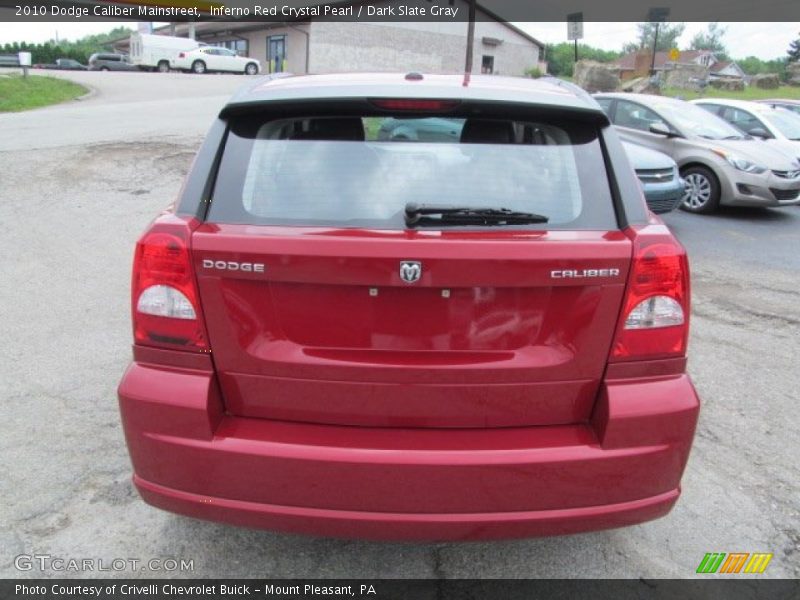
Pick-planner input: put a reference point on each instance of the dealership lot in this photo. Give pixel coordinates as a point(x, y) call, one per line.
point(79, 183)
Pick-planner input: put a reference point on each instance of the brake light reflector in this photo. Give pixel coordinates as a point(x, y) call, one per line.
point(165, 301)
point(655, 316)
point(415, 104)
point(166, 308)
point(658, 311)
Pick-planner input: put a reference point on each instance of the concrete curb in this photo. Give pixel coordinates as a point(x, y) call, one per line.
point(88, 95)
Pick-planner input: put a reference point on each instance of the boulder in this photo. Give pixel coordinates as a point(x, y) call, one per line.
point(641, 85)
point(596, 77)
point(685, 76)
point(766, 81)
point(727, 83)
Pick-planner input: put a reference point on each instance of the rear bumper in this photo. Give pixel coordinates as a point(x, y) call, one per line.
point(407, 526)
point(623, 467)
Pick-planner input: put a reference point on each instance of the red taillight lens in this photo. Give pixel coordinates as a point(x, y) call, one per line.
point(182, 55)
point(413, 104)
point(166, 306)
point(655, 316)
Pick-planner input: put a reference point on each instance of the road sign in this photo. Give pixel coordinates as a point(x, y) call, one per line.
point(575, 26)
point(674, 55)
point(24, 62)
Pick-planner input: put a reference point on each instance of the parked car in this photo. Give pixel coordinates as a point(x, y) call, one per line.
point(721, 165)
point(421, 130)
point(63, 64)
point(154, 52)
point(480, 337)
point(214, 59)
point(662, 185)
point(9, 60)
point(792, 105)
point(110, 62)
point(778, 126)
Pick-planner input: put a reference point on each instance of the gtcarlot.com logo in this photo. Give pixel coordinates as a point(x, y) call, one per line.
point(46, 562)
point(735, 562)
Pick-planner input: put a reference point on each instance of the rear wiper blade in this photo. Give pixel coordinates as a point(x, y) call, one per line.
point(420, 215)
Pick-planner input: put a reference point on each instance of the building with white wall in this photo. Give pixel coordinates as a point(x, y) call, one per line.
point(316, 45)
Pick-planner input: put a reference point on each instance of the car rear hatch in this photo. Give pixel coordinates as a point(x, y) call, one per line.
point(324, 305)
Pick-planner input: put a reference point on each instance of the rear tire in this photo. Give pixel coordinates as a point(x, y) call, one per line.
point(251, 69)
point(702, 190)
point(198, 67)
point(163, 66)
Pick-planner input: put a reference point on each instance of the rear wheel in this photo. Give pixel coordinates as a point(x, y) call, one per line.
point(702, 190)
point(251, 69)
point(198, 67)
point(163, 66)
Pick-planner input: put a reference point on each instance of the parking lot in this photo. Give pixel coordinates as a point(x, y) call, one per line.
point(78, 184)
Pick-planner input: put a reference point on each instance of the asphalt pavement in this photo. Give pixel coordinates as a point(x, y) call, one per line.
point(80, 181)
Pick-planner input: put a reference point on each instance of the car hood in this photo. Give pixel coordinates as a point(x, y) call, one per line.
point(790, 148)
point(757, 151)
point(645, 158)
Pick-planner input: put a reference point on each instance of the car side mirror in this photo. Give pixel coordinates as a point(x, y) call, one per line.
point(759, 132)
point(660, 129)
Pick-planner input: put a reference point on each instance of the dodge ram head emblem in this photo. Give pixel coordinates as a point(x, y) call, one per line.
point(410, 270)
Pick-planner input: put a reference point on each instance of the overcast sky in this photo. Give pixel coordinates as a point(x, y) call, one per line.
point(764, 40)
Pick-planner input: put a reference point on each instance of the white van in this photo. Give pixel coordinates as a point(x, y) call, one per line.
point(154, 52)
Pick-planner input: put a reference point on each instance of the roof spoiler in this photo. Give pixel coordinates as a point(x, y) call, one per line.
point(577, 90)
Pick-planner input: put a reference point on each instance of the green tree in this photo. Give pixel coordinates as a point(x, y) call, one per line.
point(79, 50)
point(794, 51)
point(668, 34)
point(753, 65)
point(561, 57)
point(711, 39)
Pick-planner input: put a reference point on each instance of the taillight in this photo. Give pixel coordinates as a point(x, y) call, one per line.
point(166, 306)
point(181, 54)
point(655, 316)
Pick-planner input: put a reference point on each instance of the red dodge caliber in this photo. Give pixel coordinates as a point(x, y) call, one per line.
point(410, 307)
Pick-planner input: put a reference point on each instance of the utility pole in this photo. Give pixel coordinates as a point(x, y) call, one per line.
point(655, 48)
point(470, 43)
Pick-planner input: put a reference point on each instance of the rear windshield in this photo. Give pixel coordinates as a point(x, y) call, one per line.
point(363, 171)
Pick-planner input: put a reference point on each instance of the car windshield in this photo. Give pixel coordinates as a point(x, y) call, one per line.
point(786, 122)
point(694, 120)
point(793, 108)
point(362, 172)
